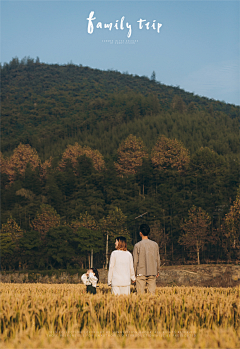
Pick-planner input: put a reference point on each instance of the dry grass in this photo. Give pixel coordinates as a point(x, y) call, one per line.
point(64, 316)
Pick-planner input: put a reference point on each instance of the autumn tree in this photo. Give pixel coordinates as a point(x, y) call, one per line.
point(95, 156)
point(22, 155)
point(170, 154)
point(73, 152)
point(195, 230)
point(130, 156)
point(45, 219)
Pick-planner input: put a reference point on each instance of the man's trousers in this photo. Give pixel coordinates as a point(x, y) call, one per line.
point(143, 281)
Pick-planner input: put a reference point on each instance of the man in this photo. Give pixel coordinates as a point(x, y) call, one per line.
point(146, 261)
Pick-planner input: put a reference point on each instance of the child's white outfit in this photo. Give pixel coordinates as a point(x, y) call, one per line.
point(90, 281)
point(121, 272)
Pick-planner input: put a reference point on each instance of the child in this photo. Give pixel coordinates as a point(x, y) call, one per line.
point(90, 279)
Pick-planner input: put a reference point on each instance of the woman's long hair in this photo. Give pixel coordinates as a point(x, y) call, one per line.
point(122, 243)
point(95, 272)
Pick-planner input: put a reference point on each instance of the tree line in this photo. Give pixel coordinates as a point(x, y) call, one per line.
point(55, 212)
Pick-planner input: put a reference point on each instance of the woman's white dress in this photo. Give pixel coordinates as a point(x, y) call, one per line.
point(121, 272)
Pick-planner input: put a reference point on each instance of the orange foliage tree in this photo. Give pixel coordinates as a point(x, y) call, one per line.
point(170, 154)
point(45, 219)
point(130, 156)
point(22, 155)
point(74, 151)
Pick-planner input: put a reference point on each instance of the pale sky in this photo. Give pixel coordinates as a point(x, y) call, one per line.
point(196, 48)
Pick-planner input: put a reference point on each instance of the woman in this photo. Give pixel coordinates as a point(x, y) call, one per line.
point(121, 268)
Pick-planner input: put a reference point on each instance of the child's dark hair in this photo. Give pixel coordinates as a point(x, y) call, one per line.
point(95, 272)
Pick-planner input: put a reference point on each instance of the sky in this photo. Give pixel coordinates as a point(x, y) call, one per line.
point(191, 44)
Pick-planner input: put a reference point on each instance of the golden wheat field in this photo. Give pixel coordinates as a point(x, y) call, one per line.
point(65, 316)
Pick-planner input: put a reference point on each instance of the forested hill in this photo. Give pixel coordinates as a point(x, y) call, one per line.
point(87, 152)
point(51, 106)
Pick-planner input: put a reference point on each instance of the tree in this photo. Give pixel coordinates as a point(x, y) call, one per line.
point(232, 222)
point(73, 152)
point(12, 229)
point(85, 221)
point(30, 247)
point(114, 225)
point(45, 166)
point(159, 235)
point(45, 219)
point(178, 104)
point(60, 246)
point(22, 155)
point(210, 174)
point(83, 226)
point(11, 234)
point(89, 241)
point(195, 230)
point(153, 76)
point(170, 154)
point(7, 249)
point(206, 162)
point(130, 156)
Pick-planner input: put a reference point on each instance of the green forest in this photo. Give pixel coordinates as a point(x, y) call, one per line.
point(86, 153)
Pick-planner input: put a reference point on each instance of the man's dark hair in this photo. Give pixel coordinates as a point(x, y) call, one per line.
point(144, 229)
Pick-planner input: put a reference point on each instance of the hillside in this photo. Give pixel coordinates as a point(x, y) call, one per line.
point(86, 151)
point(50, 106)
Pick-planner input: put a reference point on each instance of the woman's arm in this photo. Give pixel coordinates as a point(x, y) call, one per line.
point(132, 273)
point(111, 266)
